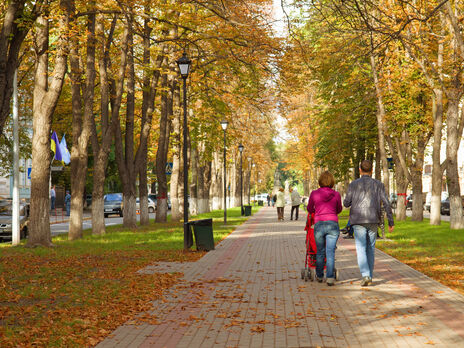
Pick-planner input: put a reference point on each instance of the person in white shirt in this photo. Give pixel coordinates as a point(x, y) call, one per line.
point(280, 204)
point(52, 197)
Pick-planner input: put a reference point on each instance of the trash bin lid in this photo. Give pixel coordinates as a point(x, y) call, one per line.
point(203, 222)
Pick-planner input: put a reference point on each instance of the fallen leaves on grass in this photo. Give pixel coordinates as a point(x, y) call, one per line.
point(52, 299)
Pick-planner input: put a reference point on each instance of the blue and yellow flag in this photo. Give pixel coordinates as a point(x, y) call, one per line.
point(55, 147)
point(65, 155)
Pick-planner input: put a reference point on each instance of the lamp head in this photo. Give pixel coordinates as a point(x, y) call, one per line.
point(184, 65)
point(240, 148)
point(224, 124)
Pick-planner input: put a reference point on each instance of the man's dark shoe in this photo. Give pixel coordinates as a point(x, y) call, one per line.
point(319, 279)
point(366, 281)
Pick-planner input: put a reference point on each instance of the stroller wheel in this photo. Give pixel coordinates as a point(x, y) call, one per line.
point(302, 273)
point(337, 274)
point(313, 274)
point(306, 275)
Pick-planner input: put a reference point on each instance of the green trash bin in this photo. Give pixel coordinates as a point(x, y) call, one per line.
point(203, 232)
point(247, 209)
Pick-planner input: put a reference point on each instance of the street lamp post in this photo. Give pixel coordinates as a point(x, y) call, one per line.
point(224, 124)
point(254, 165)
point(249, 179)
point(184, 66)
point(240, 148)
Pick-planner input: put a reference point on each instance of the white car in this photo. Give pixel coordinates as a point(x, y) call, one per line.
point(151, 205)
point(261, 197)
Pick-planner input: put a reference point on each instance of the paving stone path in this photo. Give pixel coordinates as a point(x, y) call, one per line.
point(249, 293)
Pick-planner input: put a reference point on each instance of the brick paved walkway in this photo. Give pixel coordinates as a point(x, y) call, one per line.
point(248, 293)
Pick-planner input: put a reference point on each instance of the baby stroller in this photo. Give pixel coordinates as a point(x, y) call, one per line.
point(309, 270)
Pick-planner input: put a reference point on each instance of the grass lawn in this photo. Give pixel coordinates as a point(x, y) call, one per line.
point(436, 251)
point(76, 293)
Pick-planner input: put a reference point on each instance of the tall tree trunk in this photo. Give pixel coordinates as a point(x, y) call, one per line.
point(143, 191)
point(378, 164)
point(204, 183)
point(162, 152)
point(193, 204)
point(216, 181)
point(16, 23)
point(46, 93)
point(81, 123)
point(416, 176)
point(176, 178)
point(101, 148)
point(401, 175)
point(452, 174)
point(437, 171)
point(381, 127)
point(146, 94)
point(125, 151)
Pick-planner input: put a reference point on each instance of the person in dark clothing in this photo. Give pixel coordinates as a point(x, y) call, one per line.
point(348, 230)
point(365, 197)
point(268, 200)
point(67, 202)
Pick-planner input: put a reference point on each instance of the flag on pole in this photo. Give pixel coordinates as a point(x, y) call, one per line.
point(65, 155)
point(55, 147)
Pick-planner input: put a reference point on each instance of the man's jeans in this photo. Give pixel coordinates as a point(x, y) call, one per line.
point(365, 237)
point(326, 234)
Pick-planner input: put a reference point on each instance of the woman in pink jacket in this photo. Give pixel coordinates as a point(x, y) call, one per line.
point(326, 204)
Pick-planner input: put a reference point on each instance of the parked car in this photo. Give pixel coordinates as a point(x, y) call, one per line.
point(409, 202)
point(6, 217)
point(428, 200)
point(152, 196)
point(445, 205)
point(113, 204)
point(151, 205)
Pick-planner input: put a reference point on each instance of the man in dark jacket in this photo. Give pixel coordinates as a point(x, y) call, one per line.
point(365, 196)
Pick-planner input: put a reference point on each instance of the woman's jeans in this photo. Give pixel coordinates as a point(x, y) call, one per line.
point(326, 234)
point(365, 237)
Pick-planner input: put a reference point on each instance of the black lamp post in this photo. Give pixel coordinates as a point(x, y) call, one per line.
point(224, 124)
point(240, 148)
point(184, 67)
point(254, 165)
point(249, 179)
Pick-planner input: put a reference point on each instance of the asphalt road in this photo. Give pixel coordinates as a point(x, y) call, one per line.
point(60, 228)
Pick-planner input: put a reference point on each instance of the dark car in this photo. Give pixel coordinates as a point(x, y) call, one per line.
point(113, 204)
point(445, 207)
point(6, 216)
point(409, 202)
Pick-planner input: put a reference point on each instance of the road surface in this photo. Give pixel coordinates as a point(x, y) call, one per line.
point(59, 228)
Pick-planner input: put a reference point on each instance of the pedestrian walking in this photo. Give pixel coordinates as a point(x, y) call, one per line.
point(268, 200)
point(326, 204)
point(274, 198)
point(296, 201)
point(280, 204)
point(67, 202)
point(52, 197)
point(365, 196)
